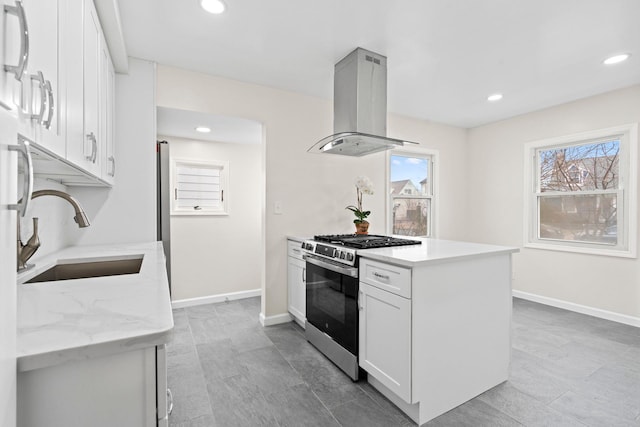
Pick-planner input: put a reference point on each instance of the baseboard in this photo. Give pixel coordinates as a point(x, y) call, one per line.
point(591, 311)
point(190, 302)
point(275, 320)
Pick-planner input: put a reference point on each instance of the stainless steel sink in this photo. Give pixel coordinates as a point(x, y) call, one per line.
point(87, 268)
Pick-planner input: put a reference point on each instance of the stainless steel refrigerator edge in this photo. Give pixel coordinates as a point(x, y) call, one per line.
point(163, 204)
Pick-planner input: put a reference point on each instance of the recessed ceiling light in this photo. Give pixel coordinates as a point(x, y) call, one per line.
point(494, 97)
point(616, 59)
point(213, 6)
point(203, 129)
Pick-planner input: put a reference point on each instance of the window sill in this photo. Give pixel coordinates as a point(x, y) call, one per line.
point(620, 253)
point(198, 213)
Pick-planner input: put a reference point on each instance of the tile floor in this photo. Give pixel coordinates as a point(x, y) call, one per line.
point(226, 370)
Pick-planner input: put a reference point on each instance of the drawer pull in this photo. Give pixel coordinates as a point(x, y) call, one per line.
point(381, 276)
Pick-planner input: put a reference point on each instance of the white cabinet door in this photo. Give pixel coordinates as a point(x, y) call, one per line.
point(31, 30)
point(296, 283)
point(13, 46)
point(42, 85)
point(113, 390)
point(107, 113)
point(83, 92)
point(385, 338)
point(91, 61)
point(71, 35)
point(8, 195)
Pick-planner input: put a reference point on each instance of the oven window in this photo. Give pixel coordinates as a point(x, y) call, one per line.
point(332, 305)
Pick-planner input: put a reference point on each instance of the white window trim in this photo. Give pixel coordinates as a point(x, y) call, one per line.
point(628, 214)
point(224, 184)
point(435, 188)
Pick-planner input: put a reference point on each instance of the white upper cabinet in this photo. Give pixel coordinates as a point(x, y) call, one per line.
point(72, 51)
point(107, 114)
point(90, 145)
point(90, 88)
point(31, 84)
point(58, 80)
point(14, 48)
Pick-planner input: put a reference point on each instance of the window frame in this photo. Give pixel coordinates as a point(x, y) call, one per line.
point(432, 155)
point(626, 193)
point(223, 166)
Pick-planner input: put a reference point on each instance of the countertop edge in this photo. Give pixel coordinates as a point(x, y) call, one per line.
point(438, 260)
point(90, 351)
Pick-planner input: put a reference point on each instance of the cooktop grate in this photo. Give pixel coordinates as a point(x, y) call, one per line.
point(364, 241)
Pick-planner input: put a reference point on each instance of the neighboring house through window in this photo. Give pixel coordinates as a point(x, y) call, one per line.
point(581, 192)
point(411, 195)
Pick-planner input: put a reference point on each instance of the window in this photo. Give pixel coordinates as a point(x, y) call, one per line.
point(199, 187)
point(581, 192)
point(411, 203)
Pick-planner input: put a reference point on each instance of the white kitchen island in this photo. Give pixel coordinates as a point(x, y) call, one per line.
point(91, 351)
point(435, 323)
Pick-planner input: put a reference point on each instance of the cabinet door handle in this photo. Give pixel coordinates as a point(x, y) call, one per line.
point(113, 166)
point(360, 308)
point(170, 403)
point(27, 189)
point(49, 90)
point(39, 77)
point(23, 60)
point(304, 275)
point(94, 148)
point(94, 152)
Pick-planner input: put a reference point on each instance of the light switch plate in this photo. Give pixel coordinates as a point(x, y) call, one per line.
point(277, 207)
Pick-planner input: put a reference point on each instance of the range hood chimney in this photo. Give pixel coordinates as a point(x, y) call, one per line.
point(359, 107)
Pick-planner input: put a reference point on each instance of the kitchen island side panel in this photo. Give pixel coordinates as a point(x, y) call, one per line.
point(461, 321)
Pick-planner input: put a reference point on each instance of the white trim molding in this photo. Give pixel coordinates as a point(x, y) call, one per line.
point(627, 211)
point(191, 302)
point(434, 164)
point(583, 309)
point(275, 320)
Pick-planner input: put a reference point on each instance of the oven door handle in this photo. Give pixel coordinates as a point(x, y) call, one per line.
point(349, 271)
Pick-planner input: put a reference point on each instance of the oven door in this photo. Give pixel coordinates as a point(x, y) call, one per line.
point(332, 300)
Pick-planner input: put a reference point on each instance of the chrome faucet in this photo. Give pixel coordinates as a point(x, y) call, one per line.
point(26, 251)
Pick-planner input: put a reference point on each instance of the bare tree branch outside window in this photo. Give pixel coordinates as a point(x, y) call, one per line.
point(578, 197)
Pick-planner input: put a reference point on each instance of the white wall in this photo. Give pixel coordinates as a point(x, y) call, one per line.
point(213, 255)
point(313, 189)
point(127, 212)
point(495, 215)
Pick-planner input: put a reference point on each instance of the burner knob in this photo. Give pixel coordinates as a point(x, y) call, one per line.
point(342, 255)
point(349, 257)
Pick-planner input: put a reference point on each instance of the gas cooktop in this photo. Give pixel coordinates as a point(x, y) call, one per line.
point(364, 241)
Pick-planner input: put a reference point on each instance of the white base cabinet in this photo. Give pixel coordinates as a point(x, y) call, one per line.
point(385, 338)
point(296, 283)
point(115, 390)
point(435, 335)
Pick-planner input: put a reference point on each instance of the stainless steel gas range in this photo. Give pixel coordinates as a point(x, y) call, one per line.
point(332, 293)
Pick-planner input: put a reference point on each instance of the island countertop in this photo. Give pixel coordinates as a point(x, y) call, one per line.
point(432, 251)
point(82, 318)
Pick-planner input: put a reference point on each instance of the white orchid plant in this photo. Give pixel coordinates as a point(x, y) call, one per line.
point(363, 186)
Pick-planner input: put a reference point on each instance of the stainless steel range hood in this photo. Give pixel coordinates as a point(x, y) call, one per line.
point(359, 107)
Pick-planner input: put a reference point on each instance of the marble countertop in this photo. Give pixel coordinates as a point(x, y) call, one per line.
point(432, 251)
point(82, 318)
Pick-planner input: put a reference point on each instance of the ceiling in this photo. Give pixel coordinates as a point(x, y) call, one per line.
point(183, 124)
point(444, 56)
